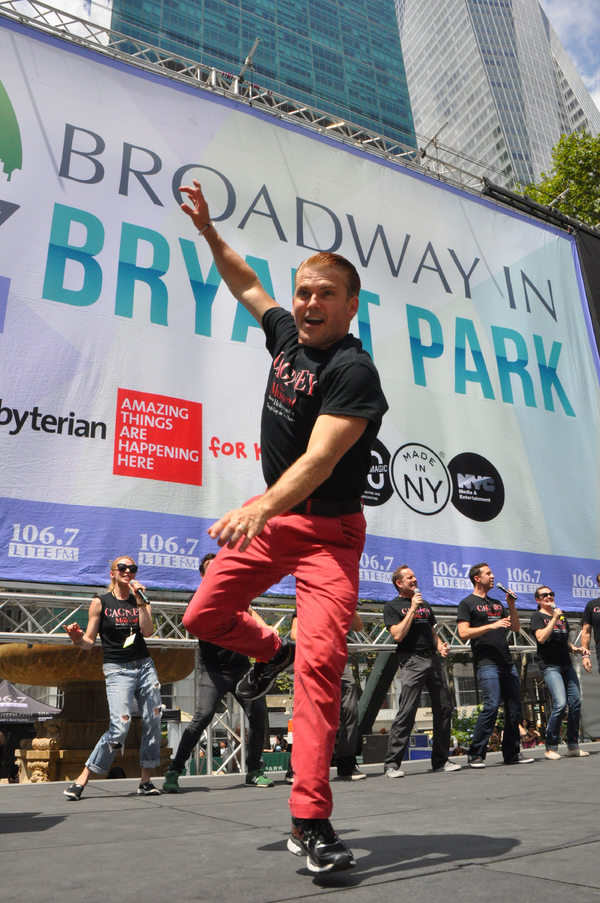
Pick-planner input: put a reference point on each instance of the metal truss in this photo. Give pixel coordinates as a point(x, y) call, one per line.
point(41, 617)
point(433, 157)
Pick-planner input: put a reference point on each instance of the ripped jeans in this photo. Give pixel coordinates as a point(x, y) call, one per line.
point(123, 682)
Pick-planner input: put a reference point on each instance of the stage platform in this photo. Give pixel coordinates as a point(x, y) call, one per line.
point(528, 832)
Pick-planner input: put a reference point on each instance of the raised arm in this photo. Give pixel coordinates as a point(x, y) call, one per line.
point(332, 436)
point(241, 280)
point(144, 610)
point(544, 634)
point(466, 632)
point(515, 621)
point(399, 630)
point(87, 640)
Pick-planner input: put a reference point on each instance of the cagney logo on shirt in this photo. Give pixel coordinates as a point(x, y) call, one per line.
point(288, 382)
point(490, 610)
point(122, 616)
point(421, 614)
point(298, 381)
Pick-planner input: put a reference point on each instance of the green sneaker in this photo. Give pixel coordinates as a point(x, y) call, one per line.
point(171, 784)
point(258, 779)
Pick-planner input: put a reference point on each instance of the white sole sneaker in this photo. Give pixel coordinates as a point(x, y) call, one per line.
point(446, 768)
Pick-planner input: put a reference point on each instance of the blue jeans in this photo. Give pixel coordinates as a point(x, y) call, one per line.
point(123, 682)
point(498, 683)
point(563, 683)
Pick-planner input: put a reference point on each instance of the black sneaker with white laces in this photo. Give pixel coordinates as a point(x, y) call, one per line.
point(261, 676)
point(148, 789)
point(73, 791)
point(316, 839)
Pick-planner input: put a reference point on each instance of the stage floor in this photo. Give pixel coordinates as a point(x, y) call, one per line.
point(529, 832)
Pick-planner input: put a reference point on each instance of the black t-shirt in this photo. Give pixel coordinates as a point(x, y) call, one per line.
point(591, 616)
point(306, 382)
point(492, 647)
point(555, 651)
point(419, 638)
point(119, 620)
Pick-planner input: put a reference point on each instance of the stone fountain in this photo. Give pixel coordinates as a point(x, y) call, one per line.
point(63, 744)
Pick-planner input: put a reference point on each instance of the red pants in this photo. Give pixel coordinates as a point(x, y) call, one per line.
point(323, 553)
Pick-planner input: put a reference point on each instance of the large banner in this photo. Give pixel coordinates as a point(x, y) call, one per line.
point(132, 382)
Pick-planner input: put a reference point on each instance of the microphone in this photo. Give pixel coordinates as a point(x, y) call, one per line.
point(507, 591)
point(144, 598)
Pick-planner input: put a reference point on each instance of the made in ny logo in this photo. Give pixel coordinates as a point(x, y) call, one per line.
point(426, 485)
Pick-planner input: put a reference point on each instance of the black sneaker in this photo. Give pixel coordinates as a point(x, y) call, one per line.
point(261, 676)
point(315, 838)
point(73, 791)
point(148, 789)
point(521, 760)
point(289, 776)
point(476, 762)
point(355, 775)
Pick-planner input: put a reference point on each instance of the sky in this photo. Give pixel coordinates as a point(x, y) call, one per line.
point(577, 23)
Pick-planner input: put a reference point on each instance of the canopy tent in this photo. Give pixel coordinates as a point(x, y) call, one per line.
point(17, 707)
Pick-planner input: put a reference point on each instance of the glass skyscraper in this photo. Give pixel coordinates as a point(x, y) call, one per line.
point(341, 56)
point(496, 72)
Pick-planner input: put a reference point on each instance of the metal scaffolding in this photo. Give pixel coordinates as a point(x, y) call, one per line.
point(40, 616)
point(443, 162)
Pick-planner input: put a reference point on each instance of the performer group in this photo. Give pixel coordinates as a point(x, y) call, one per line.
point(322, 410)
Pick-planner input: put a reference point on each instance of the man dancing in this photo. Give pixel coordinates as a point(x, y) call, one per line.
point(322, 411)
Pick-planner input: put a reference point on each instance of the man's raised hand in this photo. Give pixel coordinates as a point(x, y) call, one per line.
point(199, 211)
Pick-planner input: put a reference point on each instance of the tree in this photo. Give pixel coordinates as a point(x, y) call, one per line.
point(576, 166)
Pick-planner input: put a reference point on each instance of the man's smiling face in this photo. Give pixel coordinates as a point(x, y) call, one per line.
point(322, 307)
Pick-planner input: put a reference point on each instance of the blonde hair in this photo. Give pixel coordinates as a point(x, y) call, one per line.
point(113, 567)
point(328, 259)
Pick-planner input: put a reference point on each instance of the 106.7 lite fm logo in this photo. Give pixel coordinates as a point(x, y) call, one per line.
point(426, 485)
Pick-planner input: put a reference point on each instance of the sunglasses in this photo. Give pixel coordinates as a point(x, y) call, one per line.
point(122, 567)
point(544, 595)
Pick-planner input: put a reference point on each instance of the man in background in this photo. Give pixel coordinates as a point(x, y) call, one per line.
point(411, 623)
point(220, 672)
point(485, 622)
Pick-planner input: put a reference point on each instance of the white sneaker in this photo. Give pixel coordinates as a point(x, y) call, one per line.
point(394, 773)
point(447, 767)
point(577, 752)
point(552, 754)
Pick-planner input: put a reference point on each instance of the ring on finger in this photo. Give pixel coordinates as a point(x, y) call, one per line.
point(242, 527)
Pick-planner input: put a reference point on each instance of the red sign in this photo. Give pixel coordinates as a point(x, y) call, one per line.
point(158, 438)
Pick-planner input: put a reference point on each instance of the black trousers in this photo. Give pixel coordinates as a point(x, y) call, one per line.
point(347, 736)
point(213, 686)
point(417, 672)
